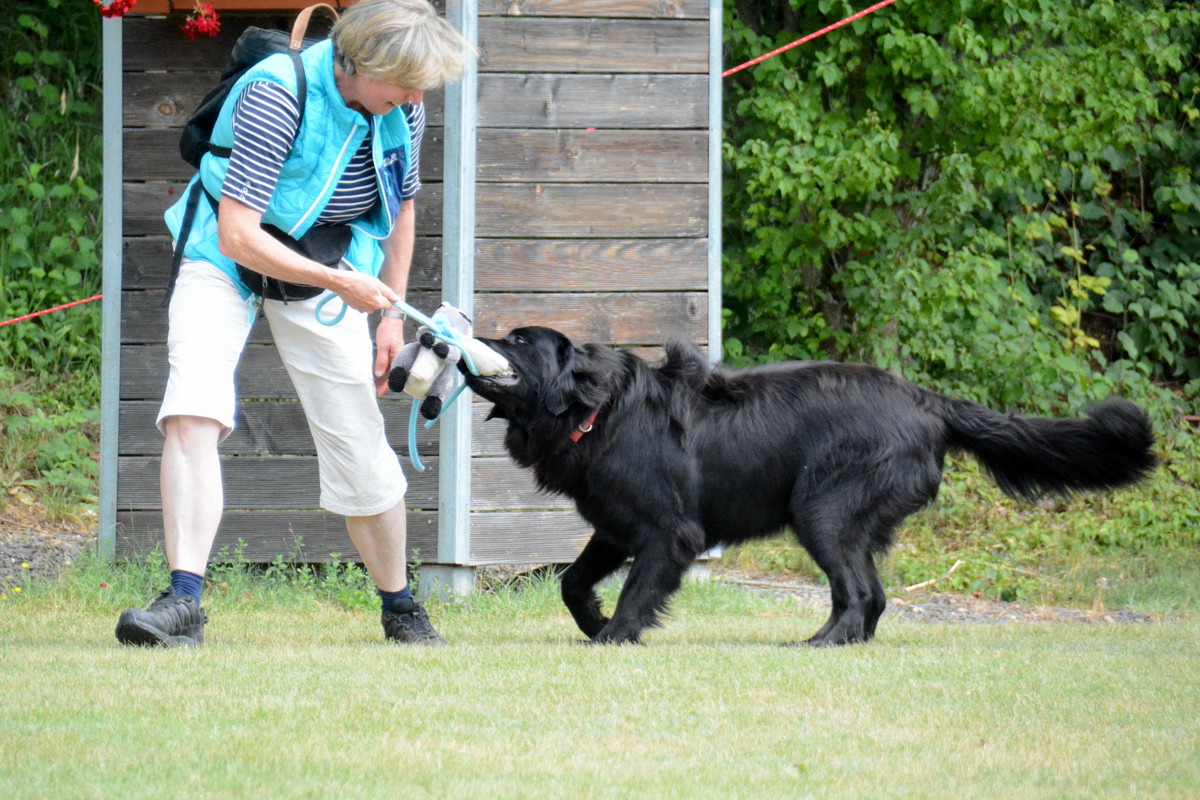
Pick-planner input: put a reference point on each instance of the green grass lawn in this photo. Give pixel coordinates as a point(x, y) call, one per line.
point(298, 697)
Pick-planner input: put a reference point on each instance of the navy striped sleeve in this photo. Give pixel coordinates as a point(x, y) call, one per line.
point(416, 125)
point(265, 122)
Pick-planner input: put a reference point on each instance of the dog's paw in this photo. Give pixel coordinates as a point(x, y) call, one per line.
point(834, 638)
point(611, 635)
point(591, 627)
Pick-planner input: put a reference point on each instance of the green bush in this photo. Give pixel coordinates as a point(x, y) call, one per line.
point(998, 199)
point(49, 445)
point(50, 175)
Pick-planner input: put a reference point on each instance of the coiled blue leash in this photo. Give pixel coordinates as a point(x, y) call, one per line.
point(441, 330)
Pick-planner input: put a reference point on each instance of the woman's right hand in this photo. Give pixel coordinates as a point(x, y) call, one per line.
point(363, 292)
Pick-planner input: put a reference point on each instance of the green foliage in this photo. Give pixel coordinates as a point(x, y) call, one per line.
point(998, 199)
point(231, 578)
point(49, 179)
point(230, 581)
point(48, 449)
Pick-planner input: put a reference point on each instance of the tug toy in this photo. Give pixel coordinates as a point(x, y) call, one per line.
point(420, 370)
point(424, 370)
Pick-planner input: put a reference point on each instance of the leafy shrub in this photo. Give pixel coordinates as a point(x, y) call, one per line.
point(48, 448)
point(49, 179)
point(998, 199)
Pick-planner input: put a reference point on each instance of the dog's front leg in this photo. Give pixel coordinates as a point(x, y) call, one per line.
point(656, 574)
point(599, 559)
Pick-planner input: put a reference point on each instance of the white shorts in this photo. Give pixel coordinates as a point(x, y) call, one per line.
point(330, 367)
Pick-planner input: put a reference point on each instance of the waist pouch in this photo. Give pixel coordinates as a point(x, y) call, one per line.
point(325, 244)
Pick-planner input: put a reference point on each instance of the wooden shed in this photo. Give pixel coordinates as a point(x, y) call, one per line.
point(571, 179)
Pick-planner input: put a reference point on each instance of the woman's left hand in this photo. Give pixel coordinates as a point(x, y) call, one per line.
point(389, 341)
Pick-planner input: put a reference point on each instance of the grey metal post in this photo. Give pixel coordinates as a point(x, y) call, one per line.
point(110, 352)
point(716, 17)
point(458, 287)
point(715, 20)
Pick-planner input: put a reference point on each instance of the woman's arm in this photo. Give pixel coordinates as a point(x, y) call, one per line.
point(397, 261)
point(242, 238)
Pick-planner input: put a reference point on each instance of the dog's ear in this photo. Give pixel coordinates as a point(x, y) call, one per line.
point(585, 377)
point(562, 389)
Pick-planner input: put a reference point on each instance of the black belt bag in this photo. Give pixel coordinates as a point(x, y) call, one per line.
point(325, 244)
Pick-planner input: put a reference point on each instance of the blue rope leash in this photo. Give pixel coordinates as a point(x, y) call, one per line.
point(441, 330)
point(412, 437)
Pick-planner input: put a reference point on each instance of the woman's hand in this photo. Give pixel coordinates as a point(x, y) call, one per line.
point(389, 341)
point(361, 291)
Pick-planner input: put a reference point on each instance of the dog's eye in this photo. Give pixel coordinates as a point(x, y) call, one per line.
point(519, 339)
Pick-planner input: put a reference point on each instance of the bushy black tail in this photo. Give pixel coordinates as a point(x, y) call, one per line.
point(1030, 457)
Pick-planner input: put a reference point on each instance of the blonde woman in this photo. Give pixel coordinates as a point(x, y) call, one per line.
point(296, 208)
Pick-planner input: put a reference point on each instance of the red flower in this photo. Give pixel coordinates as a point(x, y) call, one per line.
point(116, 8)
point(203, 21)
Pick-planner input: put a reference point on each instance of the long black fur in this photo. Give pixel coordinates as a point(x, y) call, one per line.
point(685, 456)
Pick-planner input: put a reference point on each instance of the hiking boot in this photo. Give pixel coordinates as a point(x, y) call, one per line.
point(170, 621)
point(406, 622)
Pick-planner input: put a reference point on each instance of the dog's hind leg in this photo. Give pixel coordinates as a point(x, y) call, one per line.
point(656, 574)
point(839, 540)
point(878, 600)
point(599, 559)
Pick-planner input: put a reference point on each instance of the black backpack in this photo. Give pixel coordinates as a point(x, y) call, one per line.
point(251, 47)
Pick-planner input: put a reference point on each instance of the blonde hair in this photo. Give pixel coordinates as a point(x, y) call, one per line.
point(403, 42)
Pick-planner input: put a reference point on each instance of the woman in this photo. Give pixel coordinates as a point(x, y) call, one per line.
point(351, 161)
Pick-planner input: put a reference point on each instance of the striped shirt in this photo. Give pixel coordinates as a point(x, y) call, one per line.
point(265, 122)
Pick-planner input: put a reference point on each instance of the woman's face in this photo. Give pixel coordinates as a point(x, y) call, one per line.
point(374, 96)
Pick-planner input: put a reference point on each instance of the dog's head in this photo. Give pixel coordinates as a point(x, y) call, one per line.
point(549, 374)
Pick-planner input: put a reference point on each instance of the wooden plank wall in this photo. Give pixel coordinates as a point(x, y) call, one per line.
point(592, 206)
point(591, 218)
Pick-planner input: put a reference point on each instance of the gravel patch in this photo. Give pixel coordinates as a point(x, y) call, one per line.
point(30, 547)
point(929, 606)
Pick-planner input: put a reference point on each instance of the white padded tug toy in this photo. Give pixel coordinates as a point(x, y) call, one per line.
point(420, 369)
point(424, 370)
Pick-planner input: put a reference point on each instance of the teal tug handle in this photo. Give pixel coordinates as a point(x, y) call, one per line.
point(412, 438)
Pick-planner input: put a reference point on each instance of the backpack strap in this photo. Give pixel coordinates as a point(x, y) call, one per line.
point(301, 97)
point(300, 26)
point(295, 45)
point(189, 215)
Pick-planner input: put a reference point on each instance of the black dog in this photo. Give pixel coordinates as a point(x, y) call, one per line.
point(666, 462)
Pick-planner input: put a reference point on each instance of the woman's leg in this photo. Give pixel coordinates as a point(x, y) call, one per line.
point(209, 322)
point(331, 368)
point(192, 496)
point(208, 325)
point(381, 540)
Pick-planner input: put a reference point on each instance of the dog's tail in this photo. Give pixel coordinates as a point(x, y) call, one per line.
point(1030, 457)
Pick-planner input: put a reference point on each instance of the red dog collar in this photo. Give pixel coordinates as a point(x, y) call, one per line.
point(586, 427)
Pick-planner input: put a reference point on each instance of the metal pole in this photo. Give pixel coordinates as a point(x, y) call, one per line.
point(458, 288)
point(716, 16)
point(110, 365)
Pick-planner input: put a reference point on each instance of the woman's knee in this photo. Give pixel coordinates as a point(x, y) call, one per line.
point(188, 432)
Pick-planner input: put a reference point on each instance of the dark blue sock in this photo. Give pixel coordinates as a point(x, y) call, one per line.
point(187, 583)
point(386, 598)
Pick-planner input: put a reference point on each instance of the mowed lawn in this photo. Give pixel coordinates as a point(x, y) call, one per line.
point(304, 700)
